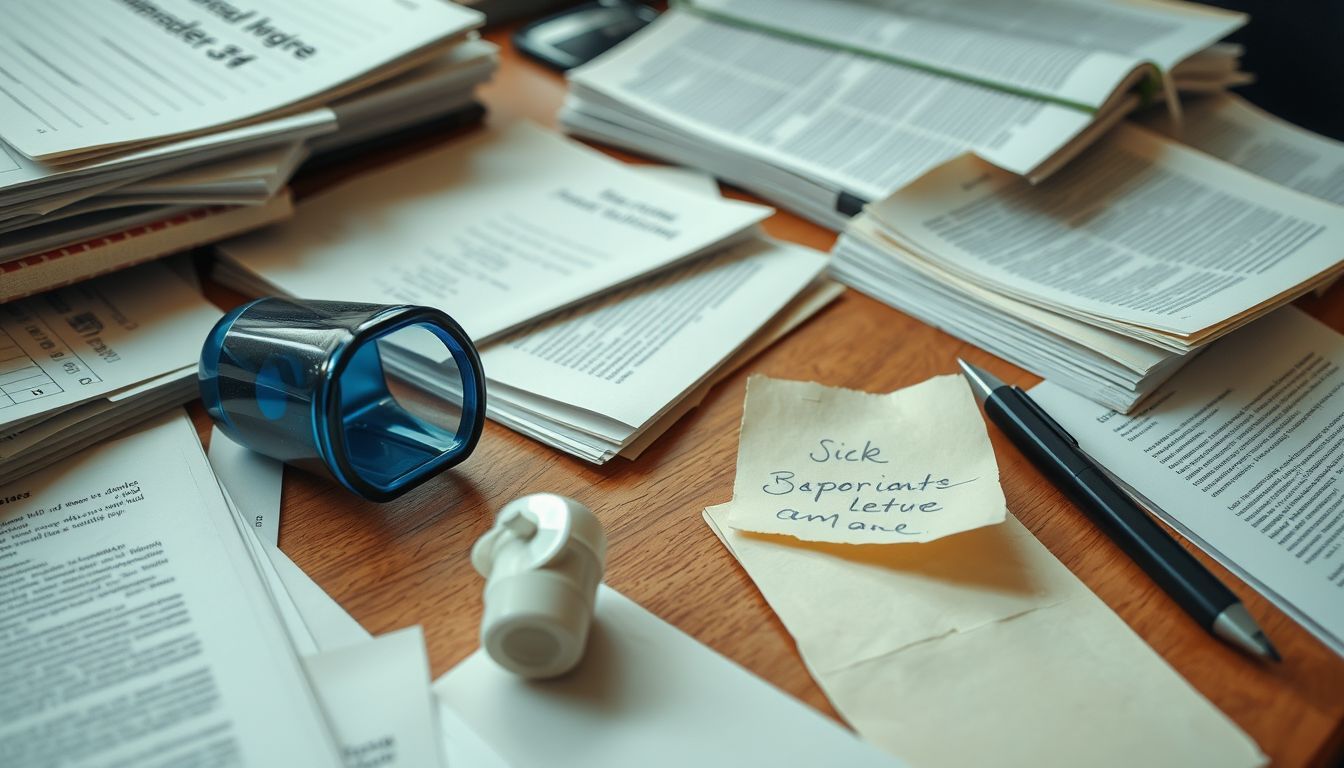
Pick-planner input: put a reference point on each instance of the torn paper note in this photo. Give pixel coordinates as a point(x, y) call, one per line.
point(835, 465)
point(977, 650)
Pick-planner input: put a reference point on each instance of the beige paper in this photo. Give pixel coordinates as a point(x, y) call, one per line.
point(835, 465)
point(981, 649)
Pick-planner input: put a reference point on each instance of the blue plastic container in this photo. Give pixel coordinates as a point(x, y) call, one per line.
point(305, 382)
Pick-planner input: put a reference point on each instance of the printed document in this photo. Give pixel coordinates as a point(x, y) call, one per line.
point(152, 69)
point(137, 625)
point(826, 464)
point(374, 692)
point(1077, 53)
point(1232, 129)
point(75, 344)
point(867, 126)
point(978, 649)
point(1243, 452)
point(497, 230)
point(631, 355)
point(1139, 235)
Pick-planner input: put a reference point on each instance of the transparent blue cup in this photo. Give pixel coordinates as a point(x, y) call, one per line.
point(304, 382)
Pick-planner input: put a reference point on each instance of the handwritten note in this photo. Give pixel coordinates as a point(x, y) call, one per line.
point(835, 465)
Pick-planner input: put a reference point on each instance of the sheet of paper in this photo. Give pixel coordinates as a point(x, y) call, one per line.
point(688, 179)
point(75, 429)
point(329, 624)
point(374, 692)
point(826, 464)
point(74, 344)
point(1232, 129)
point(977, 650)
point(463, 747)
point(1051, 50)
point(1103, 365)
point(281, 602)
point(800, 310)
point(817, 112)
point(1138, 231)
point(1246, 460)
point(376, 695)
point(188, 662)
point(253, 481)
point(630, 354)
point(148, 71)
point(21, 178)
point(497, 230)
point(645, 694)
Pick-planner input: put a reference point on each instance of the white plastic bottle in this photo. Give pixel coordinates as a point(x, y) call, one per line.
point(542, 562)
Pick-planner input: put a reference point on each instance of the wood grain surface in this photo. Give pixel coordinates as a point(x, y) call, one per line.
point(406, 562)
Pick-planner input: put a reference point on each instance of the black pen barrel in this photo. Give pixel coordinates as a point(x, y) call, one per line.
point(1169, 564)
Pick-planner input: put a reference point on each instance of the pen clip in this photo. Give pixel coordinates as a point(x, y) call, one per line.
point(1045, 417)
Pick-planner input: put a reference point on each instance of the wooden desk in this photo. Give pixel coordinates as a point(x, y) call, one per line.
point(406, 562)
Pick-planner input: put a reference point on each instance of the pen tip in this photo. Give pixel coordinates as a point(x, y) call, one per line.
point(1236, 626)
point(982, 383)
point(1267, 648)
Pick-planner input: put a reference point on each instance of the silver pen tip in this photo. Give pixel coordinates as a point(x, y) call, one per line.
point(1236, 626)
point(982, 382)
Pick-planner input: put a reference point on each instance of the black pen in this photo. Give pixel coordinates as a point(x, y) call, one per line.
point(1054, 451)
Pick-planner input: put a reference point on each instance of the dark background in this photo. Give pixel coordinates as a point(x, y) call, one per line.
point(1296, 50)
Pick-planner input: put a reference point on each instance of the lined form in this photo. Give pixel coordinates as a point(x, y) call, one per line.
point(93, 339)
point(151, 69)
point(21, 378)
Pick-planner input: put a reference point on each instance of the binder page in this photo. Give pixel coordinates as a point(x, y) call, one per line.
point(86, 341)
point(1075, 52)
point(1137, 231)
point(1232, 129)
point(151, 69)
point(1243, 452)
point(137, 629)
point(497, 230)
point(866, 126)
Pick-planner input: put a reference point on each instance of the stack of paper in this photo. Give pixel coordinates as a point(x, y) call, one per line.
point(1243, 460)
point(603, 299)
point(82, 363)
point(940, 629)
point(181, 122)
point(823, 106)
point(1104, 278)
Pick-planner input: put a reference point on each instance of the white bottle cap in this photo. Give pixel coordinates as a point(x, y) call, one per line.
point(542, 562)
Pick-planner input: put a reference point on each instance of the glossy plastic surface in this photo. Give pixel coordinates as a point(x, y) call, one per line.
point(303, 382)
